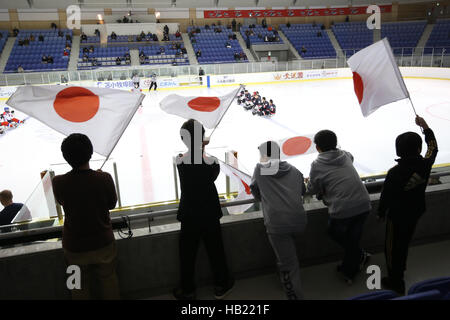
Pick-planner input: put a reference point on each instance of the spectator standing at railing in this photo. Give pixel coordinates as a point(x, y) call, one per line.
point(402, 200)
point(199, 212)
point(288, 24)
point(334, 179)
point(88, 240)
point(280, 188)
point(10, 209)
point(233, 25)
point(97, 32)
point(178, 34)
point(54, 26)
point(264, 23)
point(247, 42)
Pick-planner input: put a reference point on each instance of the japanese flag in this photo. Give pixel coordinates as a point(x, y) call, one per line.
point(297, 146)
point(207, 110)
point(376, 77)
point(101, 114)
point(243, 181)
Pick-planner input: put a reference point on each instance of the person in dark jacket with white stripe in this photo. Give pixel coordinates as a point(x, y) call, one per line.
point(402, 200)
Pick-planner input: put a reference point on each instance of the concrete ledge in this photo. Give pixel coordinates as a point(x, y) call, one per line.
point(148, 262)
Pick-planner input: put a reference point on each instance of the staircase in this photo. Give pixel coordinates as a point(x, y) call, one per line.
point(335, 43)
point(134, 55)
point(424, 39)
point(247, 52)
point(6, 52)
point(74, 53)
point(190, 50)
point(291, 47)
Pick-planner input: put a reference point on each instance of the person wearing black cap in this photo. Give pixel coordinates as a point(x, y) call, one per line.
point(402, 200)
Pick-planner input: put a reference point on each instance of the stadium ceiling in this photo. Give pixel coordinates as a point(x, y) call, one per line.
point(62, 4)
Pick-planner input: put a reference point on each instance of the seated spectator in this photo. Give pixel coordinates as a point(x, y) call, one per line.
point(130, 38)
point(228, 45)
point(88, 239)
point(15, 32)
point(178, 45)
point(288, 24)
point(269, 28)
point(303, 50)
point(20, 42)
point(266, 38)
point(31, 37)
point(49, 59)
point(141, 53)
point(155, 37)
point(198, 53)
point(142, 59)
point(97, 32)
point(26, 42)
point(234, 37)
point(162, 50)
point(149, 34)
point(20, 69)
point(125, 19)
point(118, 61)
point(275, 32)
point(142, 34)
point(94, 62)
point(60, 33)
point(198, 30)
point(44, 59)
point(139, 38)
point(85, 57)
point(85, 50)
point(54, 26)
point(91, 49)
point(10, 209)
point(206, 26)
point(83, 37)
point(183, 51)
point(319, 34)
point(178, 34)
point(113, 35)
point(68, 47)
point(68, 37)
point(230, 37)
point(65, 53)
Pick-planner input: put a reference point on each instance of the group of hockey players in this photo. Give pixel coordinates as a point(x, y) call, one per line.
point(8, 120)
point(259, 106)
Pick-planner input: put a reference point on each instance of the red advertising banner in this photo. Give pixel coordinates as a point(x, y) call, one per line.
point(283, 13)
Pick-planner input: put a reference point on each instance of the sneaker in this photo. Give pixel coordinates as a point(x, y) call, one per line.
point(364, 260)
point(222, 292)
point(180, 295)
point(397, 286)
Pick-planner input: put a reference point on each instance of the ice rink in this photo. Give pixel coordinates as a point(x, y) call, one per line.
point(144, 154)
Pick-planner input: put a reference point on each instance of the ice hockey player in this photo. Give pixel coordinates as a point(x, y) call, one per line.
point(153, 83)
point(272, 107)
point(136, 81)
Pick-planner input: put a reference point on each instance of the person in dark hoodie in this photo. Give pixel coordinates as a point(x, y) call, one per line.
point(279, 186)
point(334, 179)
point(199, 212)
point(402, 200)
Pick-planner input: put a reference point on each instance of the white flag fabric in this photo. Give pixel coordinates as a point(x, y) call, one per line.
point(376, 77)
point(101, 114)
point(207, 110)
point(243, 181)
point(297, 146)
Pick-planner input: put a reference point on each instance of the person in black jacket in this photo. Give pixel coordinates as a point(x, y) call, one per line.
point(402, 200)
point(199, 212)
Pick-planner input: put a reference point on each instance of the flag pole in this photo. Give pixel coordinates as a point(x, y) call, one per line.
point(239, 90)
point(128, 122)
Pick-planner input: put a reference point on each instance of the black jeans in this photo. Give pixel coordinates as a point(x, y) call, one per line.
point(190, 237)
point(153, 83)
point(347, 233)
point(398, 238)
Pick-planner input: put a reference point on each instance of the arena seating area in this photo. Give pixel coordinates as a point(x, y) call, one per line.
point(212, 45)
point(154, 56)
point(105, 57)
point(403, 36)
point(352, 36)
point(3, 39)
point(439, 39)
point(307, 36)
point(30, 56)
point(259, 34)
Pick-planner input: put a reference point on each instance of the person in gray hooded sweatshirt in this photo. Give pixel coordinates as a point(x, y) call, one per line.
point(334, 179)
point(280, 186)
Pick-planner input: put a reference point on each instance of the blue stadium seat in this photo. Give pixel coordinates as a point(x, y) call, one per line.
point(440, 284)
point(376, 295)
point(427, 295)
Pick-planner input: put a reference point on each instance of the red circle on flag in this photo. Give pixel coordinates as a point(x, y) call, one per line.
point(359, 86)
point(204, 104)
point(76, 104)
point(296, 146)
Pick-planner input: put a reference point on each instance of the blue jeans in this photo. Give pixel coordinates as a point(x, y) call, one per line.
point(347, 233)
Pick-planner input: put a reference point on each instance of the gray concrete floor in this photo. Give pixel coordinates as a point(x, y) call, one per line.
point(320, 282)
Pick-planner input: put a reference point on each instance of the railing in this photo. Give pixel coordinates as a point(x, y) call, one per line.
point(418, 57)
